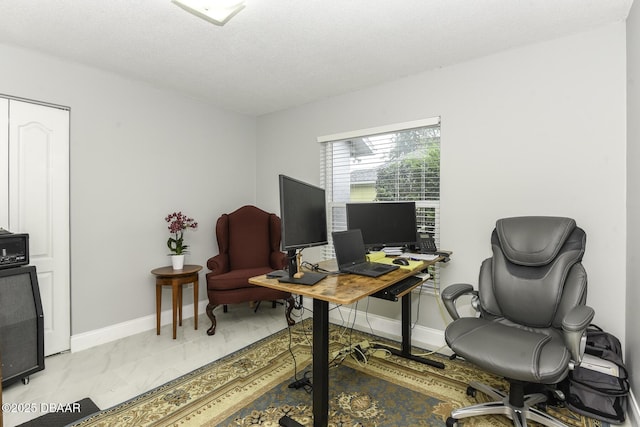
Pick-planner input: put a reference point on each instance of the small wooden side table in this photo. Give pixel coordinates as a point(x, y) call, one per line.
point(167, 276)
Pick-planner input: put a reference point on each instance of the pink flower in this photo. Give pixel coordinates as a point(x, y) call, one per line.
point(178, 222)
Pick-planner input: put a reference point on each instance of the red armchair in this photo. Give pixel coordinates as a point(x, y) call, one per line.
point(249, 245)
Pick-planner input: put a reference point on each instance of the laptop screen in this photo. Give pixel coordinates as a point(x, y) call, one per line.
point(349, 247)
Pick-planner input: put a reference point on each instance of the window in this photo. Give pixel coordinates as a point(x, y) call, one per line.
point(392, 163)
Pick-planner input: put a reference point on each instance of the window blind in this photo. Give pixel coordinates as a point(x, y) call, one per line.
point(393, 163)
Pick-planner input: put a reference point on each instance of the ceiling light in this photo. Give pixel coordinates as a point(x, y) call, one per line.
point(215, 11)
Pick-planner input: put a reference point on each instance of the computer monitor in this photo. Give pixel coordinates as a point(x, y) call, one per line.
point(303, 217)
point(384, 224)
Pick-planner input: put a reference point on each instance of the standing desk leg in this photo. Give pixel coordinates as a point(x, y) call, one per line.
point(405, 351)
point(406, 325)
point(320, 363)
point(406, 335)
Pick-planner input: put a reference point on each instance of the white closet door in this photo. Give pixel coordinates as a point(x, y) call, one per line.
point(4, 163)
point(39, 205)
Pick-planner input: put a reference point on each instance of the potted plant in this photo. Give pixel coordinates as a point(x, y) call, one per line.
point(178, 222)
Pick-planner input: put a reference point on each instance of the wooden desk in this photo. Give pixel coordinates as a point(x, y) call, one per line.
point(343, 289)
point(167, 276)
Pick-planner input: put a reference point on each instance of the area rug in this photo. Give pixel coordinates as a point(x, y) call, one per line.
point(251, 387)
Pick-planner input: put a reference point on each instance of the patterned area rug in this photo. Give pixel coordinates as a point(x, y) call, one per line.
point(251, 388)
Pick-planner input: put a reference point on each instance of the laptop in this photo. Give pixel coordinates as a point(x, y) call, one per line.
point(351, 255)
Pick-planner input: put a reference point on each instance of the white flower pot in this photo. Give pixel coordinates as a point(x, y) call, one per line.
point(177, 261)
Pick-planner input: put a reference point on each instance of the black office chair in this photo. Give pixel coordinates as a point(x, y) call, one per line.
point(532, 316)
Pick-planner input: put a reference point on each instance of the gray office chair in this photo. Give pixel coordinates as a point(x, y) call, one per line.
point(532, 316)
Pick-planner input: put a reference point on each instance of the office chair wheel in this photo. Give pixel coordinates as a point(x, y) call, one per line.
point(452, 422)
point(542, 406)
point(471, 391)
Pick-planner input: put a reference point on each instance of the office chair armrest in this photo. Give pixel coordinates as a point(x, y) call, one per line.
point(574, 326)
point(218, 264)
point(451, 293)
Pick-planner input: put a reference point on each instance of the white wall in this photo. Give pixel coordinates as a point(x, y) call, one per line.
point(632, 353)
point(538, 130)
point(534, 130)
point(138, 153)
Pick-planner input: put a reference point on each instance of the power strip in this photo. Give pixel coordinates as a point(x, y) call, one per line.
point(380, 353)
point(355, 348)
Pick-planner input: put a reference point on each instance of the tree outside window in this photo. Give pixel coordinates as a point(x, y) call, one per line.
point(403, 165)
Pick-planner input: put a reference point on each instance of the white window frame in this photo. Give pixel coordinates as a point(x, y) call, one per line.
point(327, 168)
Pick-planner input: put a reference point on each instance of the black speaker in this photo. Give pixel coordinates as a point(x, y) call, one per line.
point(21, 324)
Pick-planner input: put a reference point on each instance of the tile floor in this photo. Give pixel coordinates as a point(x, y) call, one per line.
point(120, 370)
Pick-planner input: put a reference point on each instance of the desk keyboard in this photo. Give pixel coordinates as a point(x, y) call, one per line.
point(391, 293)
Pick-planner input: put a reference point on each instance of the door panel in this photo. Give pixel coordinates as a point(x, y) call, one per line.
point(4, 163)
point(39, 205)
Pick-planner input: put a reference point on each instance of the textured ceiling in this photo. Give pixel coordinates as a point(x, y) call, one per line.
point(277, 54)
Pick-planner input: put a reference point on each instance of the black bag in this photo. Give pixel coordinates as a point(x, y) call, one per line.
point(596, 394)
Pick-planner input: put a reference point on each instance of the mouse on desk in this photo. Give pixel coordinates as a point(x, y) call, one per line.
point(401, 261)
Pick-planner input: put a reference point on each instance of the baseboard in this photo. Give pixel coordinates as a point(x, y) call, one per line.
point(422, 336)
point(633, 410)
point(96, 337)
